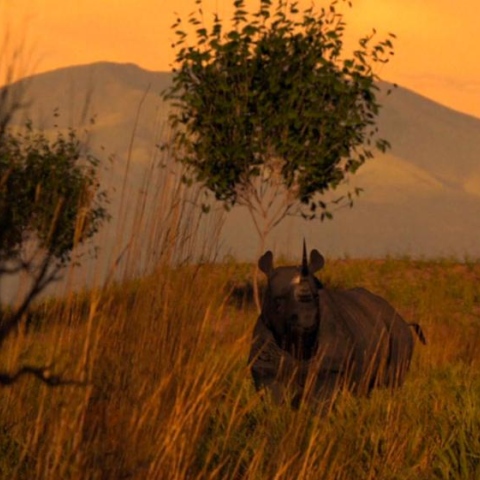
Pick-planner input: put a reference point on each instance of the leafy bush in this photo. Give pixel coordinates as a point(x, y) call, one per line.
point(49, 193)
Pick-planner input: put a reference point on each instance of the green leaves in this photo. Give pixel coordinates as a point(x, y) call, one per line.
point(49, 192)
point(275, 86)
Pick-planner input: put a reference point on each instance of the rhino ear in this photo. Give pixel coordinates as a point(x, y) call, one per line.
point(265, 263)
point(316, 261)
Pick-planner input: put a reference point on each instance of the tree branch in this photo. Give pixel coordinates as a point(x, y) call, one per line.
point(41, 373)
point(40, 282)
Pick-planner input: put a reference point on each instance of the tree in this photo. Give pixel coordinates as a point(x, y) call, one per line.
point(50, 203)
point(270, 114)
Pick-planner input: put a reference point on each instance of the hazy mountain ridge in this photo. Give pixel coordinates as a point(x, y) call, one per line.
point(432, 136)
point(421, 198)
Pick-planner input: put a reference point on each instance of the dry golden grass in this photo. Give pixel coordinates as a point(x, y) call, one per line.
point(169, 394)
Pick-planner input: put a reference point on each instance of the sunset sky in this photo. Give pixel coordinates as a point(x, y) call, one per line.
point(437, 52)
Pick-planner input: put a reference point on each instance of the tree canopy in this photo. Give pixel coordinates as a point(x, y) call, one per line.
point(49, 193)
point(274, 99)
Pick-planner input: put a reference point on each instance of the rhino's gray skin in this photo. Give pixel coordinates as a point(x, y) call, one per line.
point(310, 341)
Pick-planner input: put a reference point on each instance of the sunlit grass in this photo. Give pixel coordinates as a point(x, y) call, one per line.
point(169, 393)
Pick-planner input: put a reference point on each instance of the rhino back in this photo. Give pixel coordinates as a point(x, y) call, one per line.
point(401, 341)
point(378, 329)
point(347, 319)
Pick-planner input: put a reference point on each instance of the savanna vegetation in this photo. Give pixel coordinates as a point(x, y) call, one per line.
point(159, 387)
point(168, 393)
point(160, 384)
point(51, 206)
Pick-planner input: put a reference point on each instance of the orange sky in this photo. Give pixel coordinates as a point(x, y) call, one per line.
point(437, 51)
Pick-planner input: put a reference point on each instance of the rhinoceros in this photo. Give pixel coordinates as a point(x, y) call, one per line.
point(310, 341)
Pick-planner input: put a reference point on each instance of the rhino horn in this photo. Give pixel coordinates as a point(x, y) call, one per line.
point(304, 270)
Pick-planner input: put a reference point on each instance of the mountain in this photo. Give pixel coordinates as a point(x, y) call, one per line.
point(420, 199)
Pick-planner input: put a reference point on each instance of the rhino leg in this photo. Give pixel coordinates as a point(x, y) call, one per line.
point(320, 394)
point(270, 387)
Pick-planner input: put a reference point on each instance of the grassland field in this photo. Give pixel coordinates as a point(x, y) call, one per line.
point(168, 392)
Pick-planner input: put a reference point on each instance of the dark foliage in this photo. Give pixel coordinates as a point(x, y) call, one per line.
point(274, 91)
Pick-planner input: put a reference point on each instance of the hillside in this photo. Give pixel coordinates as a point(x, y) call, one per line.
point(422, 198)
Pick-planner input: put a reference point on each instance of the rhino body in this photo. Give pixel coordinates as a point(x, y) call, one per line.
point(309, 341)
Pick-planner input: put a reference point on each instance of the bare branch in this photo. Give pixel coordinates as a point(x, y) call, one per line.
point(43, 278)
point(41, 373)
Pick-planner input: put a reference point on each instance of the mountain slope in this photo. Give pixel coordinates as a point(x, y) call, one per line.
point(422, 198)
point(444, 142)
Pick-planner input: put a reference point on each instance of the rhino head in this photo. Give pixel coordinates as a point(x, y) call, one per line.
point(290, 307)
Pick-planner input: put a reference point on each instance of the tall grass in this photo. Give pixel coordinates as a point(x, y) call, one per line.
point(168, 393)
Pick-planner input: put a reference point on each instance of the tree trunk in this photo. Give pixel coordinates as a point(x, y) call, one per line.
point(256, 291)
